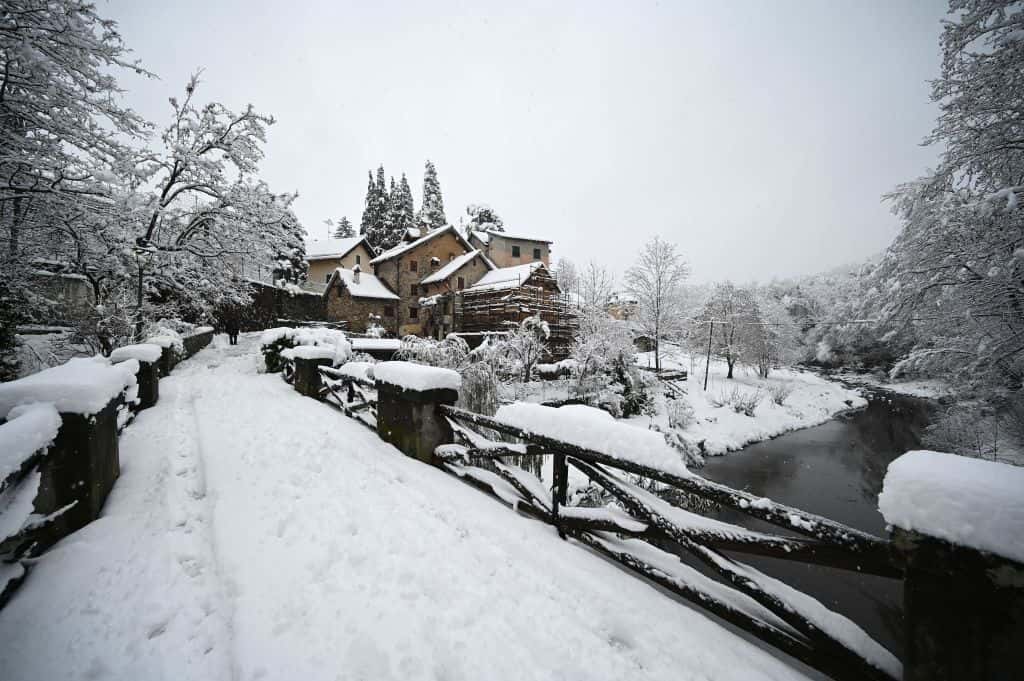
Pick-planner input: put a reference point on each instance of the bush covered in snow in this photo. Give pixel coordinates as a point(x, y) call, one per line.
point(741, 401)
point(680, 413)
point(779, 392)
point(274, 341)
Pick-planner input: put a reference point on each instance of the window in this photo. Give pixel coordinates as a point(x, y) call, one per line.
point(412, 289)
point(414, 313)
point(327, 277)
point(389, 311)
point(515, 251)
point(536, 254)
point(359, 259)
point(462, 283)
point(413, 265)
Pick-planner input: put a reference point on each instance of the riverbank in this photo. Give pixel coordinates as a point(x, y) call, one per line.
point(718, 424)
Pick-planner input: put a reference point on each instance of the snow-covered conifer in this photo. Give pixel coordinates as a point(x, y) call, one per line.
point(431, 214)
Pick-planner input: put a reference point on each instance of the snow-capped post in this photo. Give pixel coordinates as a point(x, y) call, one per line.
point(308, 359)
point(408, 400)
point(83, 462)
point(148, 356)
point(956, 523)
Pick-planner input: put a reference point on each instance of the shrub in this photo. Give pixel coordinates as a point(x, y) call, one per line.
point(779, 392)
point(741, 401)
point(680, 414)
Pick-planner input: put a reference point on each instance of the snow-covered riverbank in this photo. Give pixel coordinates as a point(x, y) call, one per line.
point(717, 428)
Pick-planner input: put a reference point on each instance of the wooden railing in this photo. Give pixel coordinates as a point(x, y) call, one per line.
point(355, 396)
point(652, 534)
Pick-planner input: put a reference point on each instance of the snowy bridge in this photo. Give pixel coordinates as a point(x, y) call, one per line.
point(255, 533)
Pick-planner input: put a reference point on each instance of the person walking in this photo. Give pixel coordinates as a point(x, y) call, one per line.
point(231, 326)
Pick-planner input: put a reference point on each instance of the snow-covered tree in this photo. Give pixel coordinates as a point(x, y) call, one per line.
point(656, 281)
point(431, 215)
point(731, 321)
point(567, 277)
point(208, 218)
point(342, 230)
point(595, 286)
point(956, 270)
point(483, 218)
point(526, 344)
point(404, 205)
point(62, 127)
point(776, 340)
point(601, 343)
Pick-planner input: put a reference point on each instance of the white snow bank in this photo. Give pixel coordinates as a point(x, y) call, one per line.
point(320, 337)
point(200, 330)
point(16, 507)
point(310, 352)
point(80, 386)
point(144, 352)
point(417, 376)
point(595, 429)
point(29, 428)
point(965, 501)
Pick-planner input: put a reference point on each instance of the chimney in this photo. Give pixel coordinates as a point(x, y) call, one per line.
point(355, 274)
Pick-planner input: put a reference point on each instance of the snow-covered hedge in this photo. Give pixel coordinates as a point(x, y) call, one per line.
point(970, 502)
point(416, 376)
point(29, 428)
point(274, 341)
point(81, 386)
point(594, 429)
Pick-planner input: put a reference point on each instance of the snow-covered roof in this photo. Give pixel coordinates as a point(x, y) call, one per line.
point(368, 285)
point(454, 266)
point(332, 248)
point(405, 247)
point(485, 236)
point(506, 277)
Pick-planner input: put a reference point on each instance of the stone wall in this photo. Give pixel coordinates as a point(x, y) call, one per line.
point(270, 303)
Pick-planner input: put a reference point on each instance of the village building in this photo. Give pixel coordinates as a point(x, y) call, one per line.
point(329, 254)
point(452, 277)
point(404, 267)
point(361, 300)
point(505, 249)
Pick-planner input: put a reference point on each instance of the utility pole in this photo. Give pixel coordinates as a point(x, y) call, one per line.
point(707, 367)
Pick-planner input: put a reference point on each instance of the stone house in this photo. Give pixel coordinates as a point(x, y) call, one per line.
point(508, 250)
point(359, 298)
point(454, 276)
point(404, 267)
point(329, 254)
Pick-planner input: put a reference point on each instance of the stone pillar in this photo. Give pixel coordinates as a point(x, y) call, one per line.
point(307, 376)
point(148, 377)
point(411, 420)
point(80, 469)
point(963, 611)
point(168, 360)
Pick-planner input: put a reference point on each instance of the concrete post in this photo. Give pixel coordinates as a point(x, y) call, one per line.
point(411, 420)
point(307, 376)
point(963, 611)
point(80, 469)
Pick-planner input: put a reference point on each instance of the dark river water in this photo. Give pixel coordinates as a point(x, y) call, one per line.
point(834, 470)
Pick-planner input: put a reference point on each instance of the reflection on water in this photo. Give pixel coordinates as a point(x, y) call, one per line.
point(834, 470)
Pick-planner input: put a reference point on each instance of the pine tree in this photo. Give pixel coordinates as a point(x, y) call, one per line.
point(408, 209)
point(368, 223)
point(432, 211)
point(344, 229)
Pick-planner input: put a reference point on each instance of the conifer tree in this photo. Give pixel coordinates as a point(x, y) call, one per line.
point(368, 223)
point(408, 209)
point(344, 229)
point(432, 211)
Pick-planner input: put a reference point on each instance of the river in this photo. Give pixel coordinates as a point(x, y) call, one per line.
point(835, 470)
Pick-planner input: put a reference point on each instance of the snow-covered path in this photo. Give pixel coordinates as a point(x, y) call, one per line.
point(256, 534)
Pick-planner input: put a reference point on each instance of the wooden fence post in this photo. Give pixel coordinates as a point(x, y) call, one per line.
point(963, 611)
point(956, 528)
point(560, 475)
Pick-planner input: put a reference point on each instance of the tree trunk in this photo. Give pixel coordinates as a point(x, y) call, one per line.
point(731, 363)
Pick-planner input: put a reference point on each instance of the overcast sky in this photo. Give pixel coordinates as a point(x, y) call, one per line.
point(759, 136)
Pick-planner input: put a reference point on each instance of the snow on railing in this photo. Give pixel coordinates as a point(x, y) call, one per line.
point(594, 444)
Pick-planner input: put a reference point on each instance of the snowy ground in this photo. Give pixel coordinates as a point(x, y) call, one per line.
point(257, 534)
point(813, 401)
